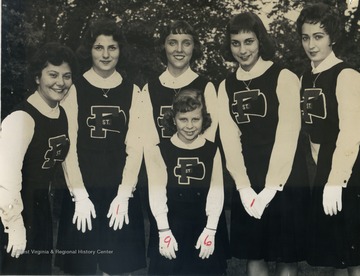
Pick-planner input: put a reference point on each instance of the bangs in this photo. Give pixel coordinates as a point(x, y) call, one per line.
point(188, 105)
point(313, 21)
point(242, 24)
point(240, 28)
point(181, 30)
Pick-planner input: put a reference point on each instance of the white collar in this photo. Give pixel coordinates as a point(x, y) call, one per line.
point(115, 79)
point(197, 143)
point(38, 102)
point(184, 79)
point(326, 64)
point(258, 69)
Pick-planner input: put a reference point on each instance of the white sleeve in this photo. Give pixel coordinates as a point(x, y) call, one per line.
point(157, 181)
point(150, 135)
point(348, 140)
point(211, 105)
point(155, 166)
point(71, 167)
point(215, 197)
point(16, 135)
point(230, 140)
point(134, 147)
point(287, 131)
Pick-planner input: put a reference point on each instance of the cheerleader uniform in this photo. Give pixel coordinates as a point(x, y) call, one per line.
point(157, 98)
point(188, 201)
point(259, 121)
point(330, 106)
point(104, 139)
point(39, 143)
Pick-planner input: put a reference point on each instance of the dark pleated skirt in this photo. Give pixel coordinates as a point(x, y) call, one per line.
point(334, 240)
point(114, 252)
point(280, 234)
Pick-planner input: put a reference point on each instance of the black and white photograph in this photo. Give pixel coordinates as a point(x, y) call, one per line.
point(180, 137)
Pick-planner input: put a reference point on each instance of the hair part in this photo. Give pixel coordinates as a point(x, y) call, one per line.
point(248, 22)
point(187, 100)
point(50, 53)
point(325, 15)
point(178, 27)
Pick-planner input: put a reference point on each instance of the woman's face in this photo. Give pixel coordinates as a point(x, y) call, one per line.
point(189, 125)
point(316, 42)
point(105, 55)
point(179, 49)
point(245, 49)
point(54, 83)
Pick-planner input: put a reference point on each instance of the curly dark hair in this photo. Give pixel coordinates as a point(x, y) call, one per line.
point(53, 53)
point(248, 22)
point(325, 15)
point(177, 27)
point(102, 26)
point(187, 100)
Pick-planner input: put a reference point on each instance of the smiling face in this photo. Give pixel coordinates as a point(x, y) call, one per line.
point(105, 55)
point(245, 49)
point(179, 49)
point(54, 83)
point(189, 125)
point(316, 42)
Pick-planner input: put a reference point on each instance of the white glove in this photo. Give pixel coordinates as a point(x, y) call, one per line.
point(84, 210)
point(167, 244)
point(332, 199)
point(118, 212)
point(17, 237)
point(248, 198)
point(263, 199)
point(206, 242)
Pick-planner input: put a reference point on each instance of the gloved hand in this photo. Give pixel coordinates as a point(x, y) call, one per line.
point(167, 244)
point(118, 212)
point(263, 200)
point(17, 237)
point(84, 210)
point(248, 198)
point(206, 242)
point(332, 201)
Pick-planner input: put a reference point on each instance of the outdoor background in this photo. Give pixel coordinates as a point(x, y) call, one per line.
point(26, 24)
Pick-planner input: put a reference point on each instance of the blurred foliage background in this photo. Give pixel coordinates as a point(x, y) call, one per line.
point(28, 23)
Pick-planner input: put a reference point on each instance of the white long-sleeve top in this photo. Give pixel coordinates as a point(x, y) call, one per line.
point(348, 140)
point(133, 142)
point(287, 131)
point(158, 180)
point(16, 134)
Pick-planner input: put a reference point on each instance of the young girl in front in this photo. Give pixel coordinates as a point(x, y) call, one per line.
point(186, 194)
point(330, 96)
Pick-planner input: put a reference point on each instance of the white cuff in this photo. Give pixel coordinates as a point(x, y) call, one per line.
point(79, 194)
point(212, 222)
